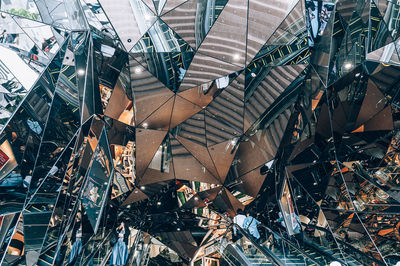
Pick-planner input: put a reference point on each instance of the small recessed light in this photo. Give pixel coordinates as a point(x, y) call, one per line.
point(178, 229)
point(196, 198)
point(236, 57)
point(142, 187)
point(348, 66)
point(145, 125)
point(159, 203)
point(81, 72)
point(253, 75)
point(138, 70)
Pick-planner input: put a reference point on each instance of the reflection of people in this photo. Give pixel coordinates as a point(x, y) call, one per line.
point(33, 53)
point(283, 246)
point(298, 232)
point(119, 254)
point(239, 220)
point(296, 225)
point(281, 221)
point(76, 239)
point(2, 36)
point(48, 44)
point(12, 38)
point(313, 22)
point(250, 223)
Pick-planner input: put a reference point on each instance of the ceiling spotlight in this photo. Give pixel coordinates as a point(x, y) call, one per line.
point(145, 125)
point(138, 70)
point(196, 198)
point(236, 57)
point(178, 229)
point(348, 65)
point(81, 72)
point(142, 187)
point(253, 75)
point(159, 203)
point(335, 263)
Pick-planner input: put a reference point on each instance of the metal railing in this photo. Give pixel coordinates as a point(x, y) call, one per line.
point(265, 251)
point(289, 243)
point(356, 254)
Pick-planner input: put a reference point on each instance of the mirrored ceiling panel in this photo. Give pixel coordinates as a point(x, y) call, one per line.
point(136, 131)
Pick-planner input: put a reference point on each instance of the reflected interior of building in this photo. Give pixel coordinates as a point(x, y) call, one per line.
point(132, 132)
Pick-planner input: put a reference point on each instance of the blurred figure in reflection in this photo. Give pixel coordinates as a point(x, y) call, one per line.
point(282, 244)
point(33, 54)
point(12, 38)
point(281, 221)
point(48, 44)
point(2, 36)
point(296, 226)
point(76, 239)
point(298, 232)
point(119, 255)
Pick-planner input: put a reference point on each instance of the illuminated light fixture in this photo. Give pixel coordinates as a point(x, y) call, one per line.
point(253, 75)
point(196, 198)
point(145, 125)
point(335, 263)
point(159, 203)
point(147, 17)
point(142, 187)
point(81, 72)
point(178, 229)
point(138, 70)
point(348, 65)
point(236, 57)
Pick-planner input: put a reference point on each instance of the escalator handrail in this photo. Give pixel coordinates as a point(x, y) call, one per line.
point(266, 252)
point(291, 244)
point(218, 242)
point(343, 242)
point(101, 244)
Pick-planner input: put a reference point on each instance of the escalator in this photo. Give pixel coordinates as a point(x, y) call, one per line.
point(47, 257)
point(247, 251)
point(338, 249)
point(276, 250)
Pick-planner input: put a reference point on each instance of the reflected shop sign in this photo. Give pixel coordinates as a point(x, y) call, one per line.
point(3, 159)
